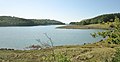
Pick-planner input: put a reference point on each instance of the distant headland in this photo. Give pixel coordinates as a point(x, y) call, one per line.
point(16, 21)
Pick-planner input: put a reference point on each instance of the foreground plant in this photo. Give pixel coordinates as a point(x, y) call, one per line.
point(111, 36)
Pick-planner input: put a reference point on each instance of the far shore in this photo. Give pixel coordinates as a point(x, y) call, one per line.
point(27, 25)
point(92, 26)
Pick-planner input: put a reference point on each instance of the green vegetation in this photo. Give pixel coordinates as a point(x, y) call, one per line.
point(99, 19)
point(117, 56)
point(111, 36)
point(15, 21)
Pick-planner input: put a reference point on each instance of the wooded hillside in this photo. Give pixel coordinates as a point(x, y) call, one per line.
point(16, 21)
point(99, 19)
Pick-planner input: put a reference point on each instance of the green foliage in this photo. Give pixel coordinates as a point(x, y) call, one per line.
point(111, 36)
point(99, 19)
point(117, 56)
point(15, 21)
point(62, 58)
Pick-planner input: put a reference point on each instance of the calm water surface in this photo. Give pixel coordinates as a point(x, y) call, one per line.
point(21, 37)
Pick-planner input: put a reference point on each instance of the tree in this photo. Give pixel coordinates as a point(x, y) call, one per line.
point(111, 36)
point(99, 19)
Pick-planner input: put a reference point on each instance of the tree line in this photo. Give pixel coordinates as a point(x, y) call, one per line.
point(99, 19)
point(16, 21)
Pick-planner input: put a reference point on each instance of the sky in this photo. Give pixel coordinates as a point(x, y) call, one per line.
point(62, 10)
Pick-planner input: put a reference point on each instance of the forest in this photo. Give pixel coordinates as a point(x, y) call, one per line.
point(98, 19)
point(16, 21)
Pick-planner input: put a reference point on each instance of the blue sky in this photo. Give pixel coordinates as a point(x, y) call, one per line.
point(62, 10)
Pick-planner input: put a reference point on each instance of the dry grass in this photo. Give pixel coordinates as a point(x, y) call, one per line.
point(97, 52)
point(91, 26)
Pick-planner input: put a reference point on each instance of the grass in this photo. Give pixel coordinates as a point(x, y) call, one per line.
point(96, 52)
point(117, 56)
point(91, 26)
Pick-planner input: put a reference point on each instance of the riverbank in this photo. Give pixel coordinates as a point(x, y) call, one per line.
point(96, 52)
point(91, 26)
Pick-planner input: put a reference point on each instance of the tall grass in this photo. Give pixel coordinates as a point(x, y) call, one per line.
point(117, 56)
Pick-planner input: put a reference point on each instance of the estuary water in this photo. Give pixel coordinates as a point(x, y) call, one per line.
point(21, 37)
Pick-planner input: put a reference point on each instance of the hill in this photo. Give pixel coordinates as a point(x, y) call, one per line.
point(99, 19)
point(16, 21)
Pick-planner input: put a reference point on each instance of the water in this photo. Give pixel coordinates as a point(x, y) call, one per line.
point(21, 37)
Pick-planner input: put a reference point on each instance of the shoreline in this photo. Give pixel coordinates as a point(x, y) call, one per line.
point(93, 26)
point(28, 25)
point(75, 53)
